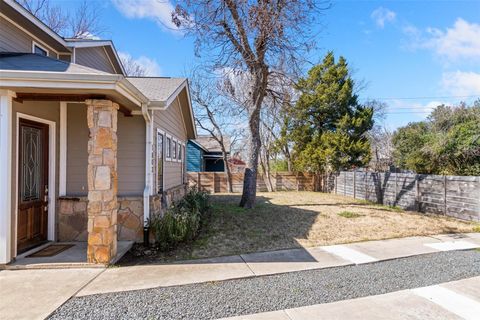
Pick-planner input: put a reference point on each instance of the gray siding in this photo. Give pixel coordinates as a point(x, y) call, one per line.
point(13, 39)
point(77, 153)
point(44, 110)
point(94, 58)
point(171, 122)
point(130, 153)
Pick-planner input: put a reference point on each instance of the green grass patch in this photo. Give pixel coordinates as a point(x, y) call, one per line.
point(476, 228)
point(349, 214)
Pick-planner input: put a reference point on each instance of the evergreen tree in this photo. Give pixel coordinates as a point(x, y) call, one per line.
point(328, 125)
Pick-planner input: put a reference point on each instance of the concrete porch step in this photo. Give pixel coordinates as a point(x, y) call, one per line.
point(75, 257)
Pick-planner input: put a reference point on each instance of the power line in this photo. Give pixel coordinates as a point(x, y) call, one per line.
point(420, 98)
point(423, 112)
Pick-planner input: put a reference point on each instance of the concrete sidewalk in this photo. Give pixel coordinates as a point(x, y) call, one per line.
point(34, 294)
point(265, 263)
point(452, 300)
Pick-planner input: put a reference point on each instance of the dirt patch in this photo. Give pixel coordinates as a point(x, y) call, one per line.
point(283, 220)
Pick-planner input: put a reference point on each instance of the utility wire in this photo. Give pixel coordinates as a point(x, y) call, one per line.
point(419, 98)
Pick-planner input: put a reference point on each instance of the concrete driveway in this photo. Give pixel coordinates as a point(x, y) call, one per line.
point(35, 294)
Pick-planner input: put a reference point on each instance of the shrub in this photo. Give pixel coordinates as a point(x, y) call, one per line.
point(181, 221)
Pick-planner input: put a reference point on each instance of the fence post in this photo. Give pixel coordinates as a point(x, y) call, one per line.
point(445, 194)
point(366, 189)
point(417, 193)
point(345, 183)
point(335, 181)
point(198, 181)
point(396, 191)
point(354, 184)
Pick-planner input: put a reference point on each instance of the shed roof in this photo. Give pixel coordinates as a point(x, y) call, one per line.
point(37, 62)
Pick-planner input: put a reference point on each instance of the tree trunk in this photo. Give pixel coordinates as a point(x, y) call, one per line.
point(250, 177)
point(258, 89)
point(227, 170)
point(289, 159)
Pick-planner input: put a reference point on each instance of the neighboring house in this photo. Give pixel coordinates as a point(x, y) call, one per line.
point(236, 164)
point(86, 153)
point(205, 154)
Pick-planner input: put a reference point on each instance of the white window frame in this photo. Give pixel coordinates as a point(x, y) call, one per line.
point(175, 150)
point(162, 133)
point(180, 152)
point(35, 44)
point(168, 155)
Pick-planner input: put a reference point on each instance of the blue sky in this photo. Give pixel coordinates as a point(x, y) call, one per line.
point(410, 54)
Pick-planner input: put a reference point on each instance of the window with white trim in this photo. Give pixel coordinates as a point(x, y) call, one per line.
point(37, 49)
point(160, 160)
point(174, 154)
point(168, 151)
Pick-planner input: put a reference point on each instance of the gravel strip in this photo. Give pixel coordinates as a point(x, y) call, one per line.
point(245, 296)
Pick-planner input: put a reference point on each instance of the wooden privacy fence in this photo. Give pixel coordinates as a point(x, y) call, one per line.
point(215, 182)
point(456, 196)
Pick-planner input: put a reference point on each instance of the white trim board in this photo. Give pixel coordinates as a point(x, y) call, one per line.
point(62, 175)
point(35, 44)
point(6, 130)
point(51, 173)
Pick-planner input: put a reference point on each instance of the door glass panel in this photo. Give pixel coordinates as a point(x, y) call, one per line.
point(31, 145)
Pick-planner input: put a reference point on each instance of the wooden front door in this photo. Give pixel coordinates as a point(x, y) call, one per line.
point(32, 226)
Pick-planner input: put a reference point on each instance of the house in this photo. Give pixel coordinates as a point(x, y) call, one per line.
point(237, 165)
point(87, 153)
point(205, 154)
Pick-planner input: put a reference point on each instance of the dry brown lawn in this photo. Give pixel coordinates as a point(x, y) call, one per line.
point(304, 219)
point(284, 220)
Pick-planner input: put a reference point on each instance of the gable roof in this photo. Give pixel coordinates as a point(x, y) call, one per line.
point(13, 10)
point(159, 89)
point(209, 144)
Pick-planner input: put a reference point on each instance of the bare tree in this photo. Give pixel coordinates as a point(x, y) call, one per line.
point(84, 22)
point(131, 67)
point(258, 38)
point(380, 138)
point(214, 115)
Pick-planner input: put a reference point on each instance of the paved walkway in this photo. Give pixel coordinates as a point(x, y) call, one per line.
point(265, 263)
point(33, 294)
point(451, 300)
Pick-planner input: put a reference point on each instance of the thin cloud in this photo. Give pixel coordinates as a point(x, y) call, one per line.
point(159, 11)
point(383, 15)
point(461, 83)
point(151, 67)
point(458, 43)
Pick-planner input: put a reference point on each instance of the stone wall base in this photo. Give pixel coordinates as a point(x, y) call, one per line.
point(73, 218)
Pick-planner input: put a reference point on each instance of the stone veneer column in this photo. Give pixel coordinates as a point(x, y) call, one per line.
point(102, 181)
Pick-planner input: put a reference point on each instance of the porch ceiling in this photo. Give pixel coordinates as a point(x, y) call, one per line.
point(23, 95)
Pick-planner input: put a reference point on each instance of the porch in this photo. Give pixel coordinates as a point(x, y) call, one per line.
point(64, 179)
point(75, 256)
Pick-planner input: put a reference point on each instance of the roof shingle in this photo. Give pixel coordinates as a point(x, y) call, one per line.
point(155, 88)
